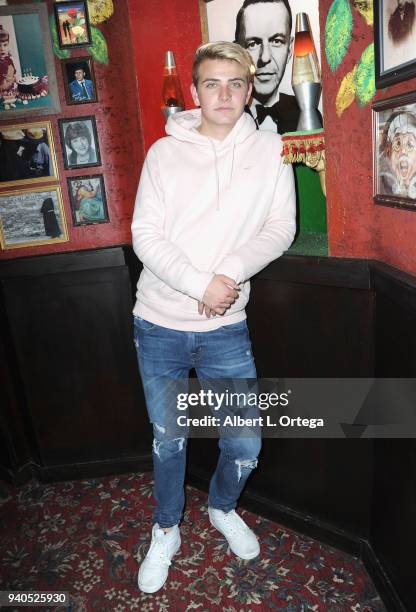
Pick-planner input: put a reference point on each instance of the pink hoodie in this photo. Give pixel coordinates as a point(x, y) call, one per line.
point(206, 206)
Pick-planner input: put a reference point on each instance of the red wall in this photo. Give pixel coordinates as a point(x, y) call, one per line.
point(119, 135)
point(156, 28)
point(356, 226)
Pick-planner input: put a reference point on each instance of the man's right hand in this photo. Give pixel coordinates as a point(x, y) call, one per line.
point(220, 294)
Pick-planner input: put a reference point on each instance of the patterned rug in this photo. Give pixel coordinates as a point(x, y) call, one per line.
point(86, 537)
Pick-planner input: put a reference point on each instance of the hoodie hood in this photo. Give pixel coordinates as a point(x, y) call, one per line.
point(183, 127)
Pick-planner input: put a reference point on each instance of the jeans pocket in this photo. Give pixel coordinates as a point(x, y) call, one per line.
point(143, 325)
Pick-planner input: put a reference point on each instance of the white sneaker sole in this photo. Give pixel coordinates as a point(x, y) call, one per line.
point(157, 588)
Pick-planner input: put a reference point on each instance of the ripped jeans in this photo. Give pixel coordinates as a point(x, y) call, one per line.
point(170, 354)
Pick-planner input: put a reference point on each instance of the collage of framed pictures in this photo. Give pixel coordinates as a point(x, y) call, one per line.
point(31, 200)
point(394, 118)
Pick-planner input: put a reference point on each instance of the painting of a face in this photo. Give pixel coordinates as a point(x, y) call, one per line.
point(403, 155)
point(267, 39)
point(80, 145)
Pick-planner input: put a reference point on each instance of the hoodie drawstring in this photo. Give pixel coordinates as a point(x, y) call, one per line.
point(217, 176)
point(230, 175)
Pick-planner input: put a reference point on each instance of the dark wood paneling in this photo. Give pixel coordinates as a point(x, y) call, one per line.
point(302, 330)
point(395, 322)
point(16, 448)
point(62, 262)
point(393, 517)
point(328, 481)
point(326, 271)
point(72, 334)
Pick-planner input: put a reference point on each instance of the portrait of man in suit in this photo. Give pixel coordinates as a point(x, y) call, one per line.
point(264, 27)
point(81, 88)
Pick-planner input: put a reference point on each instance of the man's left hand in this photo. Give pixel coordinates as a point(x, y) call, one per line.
point(203, 307)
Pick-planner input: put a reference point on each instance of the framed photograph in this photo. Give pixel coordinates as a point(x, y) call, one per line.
point(72, 24)
point(250, 27)
point(27, 154)
point(79, 142)
point(394, 41)
point(79, 80)
point(32, 217)
point(88, 199)
point(27, 66)
point(394, 151)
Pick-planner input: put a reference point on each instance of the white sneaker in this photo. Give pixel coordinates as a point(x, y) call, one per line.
point(155, 567)
point(242, 540)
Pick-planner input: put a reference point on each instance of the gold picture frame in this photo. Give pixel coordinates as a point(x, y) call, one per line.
point(204, 20)
point(32, 217)
point(27, 154)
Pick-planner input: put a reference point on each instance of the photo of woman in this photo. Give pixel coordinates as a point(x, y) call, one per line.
point(79, 142)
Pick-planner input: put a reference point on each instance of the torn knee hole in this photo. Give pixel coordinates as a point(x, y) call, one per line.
point(159, 428)
point(246, 464)
point(165, 448)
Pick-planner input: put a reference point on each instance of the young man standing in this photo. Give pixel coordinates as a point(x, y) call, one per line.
point(215, 205)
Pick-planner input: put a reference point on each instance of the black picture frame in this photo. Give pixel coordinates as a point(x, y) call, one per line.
point(88, 199)
point(73, 92)
point(73, 129)
point(395, 54)
point(394, 151)
point(72, 24)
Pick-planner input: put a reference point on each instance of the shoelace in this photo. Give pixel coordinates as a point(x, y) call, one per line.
point(235, 524)
point(158, 552)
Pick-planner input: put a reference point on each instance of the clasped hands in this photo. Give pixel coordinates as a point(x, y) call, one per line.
point(219, 295)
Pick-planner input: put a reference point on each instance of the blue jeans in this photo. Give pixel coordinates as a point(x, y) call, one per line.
point(165, 354)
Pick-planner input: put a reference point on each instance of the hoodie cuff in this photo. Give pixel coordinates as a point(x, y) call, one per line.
point(231, 266)
point(198, 283)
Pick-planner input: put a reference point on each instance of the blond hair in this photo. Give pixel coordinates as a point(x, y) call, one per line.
point(223, 50)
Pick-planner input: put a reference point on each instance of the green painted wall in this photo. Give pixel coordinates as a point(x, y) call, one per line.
point(29, 42)
point(312, 202)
